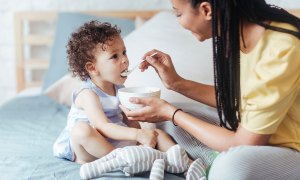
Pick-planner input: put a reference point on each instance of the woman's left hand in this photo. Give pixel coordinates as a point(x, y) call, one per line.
point(154, 110)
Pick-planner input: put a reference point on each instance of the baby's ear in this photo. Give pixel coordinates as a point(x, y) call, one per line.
point(91, 68)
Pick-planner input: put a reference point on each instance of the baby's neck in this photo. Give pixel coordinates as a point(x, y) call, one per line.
point(107, 87)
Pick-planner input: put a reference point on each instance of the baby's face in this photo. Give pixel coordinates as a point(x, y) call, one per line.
point(112, 61)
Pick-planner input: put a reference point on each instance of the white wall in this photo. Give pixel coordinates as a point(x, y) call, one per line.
point(7, 8)
point(288, 4)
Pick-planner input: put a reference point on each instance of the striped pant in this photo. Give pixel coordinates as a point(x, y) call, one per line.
point(238, 163)
point(257, 163)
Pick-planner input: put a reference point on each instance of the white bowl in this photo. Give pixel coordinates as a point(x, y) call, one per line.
point(125, 94)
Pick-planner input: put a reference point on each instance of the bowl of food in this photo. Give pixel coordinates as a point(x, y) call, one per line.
point(126, 93)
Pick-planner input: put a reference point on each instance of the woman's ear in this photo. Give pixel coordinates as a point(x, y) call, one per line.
point(205, 10)
point(91, 68)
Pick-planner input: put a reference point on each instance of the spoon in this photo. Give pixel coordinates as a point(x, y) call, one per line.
point(127, 72)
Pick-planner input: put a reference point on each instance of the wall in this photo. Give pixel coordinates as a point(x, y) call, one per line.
point(7, 8)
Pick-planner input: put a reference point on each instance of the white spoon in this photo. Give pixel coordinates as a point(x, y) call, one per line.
point(126, 73)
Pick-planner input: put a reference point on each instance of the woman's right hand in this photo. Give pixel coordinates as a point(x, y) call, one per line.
point(164, 67)
point(147, 137)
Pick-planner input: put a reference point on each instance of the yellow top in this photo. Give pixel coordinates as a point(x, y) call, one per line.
point(270, 88)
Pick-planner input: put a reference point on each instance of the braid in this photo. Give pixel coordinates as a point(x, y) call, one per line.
point(227, 16)
point(226, 42)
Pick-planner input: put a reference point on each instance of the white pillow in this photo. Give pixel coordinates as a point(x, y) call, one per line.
point(61, 90)
point(139, 22)
point(192, 59)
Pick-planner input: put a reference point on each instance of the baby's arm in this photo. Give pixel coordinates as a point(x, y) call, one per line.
point(89, 102)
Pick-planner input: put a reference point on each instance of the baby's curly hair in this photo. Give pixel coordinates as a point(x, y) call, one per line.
point(83, 42)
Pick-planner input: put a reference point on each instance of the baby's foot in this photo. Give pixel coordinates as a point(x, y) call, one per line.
point(196, 171)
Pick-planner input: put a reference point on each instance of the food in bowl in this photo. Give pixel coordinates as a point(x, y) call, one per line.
point(126, 93)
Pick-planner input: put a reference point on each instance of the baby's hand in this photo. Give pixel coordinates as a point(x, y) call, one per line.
point(147, 137)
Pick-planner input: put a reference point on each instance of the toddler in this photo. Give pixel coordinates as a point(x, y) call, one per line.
point(96, 125)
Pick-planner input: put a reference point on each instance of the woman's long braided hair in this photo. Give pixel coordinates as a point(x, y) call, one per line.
point(227, 16)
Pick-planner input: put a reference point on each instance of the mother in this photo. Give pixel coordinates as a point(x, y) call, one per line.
point(257, 87)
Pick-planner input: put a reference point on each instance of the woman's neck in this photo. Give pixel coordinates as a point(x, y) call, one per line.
point(250, 34)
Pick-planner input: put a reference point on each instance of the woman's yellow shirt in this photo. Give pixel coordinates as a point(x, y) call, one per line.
point(270, 88)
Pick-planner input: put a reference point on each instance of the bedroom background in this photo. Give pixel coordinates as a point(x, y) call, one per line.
point(29, 124)
point(8, 8)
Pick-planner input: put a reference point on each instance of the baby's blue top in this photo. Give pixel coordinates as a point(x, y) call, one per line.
point(110, 104)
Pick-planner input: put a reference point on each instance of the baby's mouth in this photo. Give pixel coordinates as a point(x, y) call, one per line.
point(124, 72)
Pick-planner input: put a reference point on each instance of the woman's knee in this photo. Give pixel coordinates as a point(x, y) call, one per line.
point(232, 164)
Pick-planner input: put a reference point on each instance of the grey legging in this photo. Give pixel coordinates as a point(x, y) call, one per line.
point(238, 163)
point(257, 163)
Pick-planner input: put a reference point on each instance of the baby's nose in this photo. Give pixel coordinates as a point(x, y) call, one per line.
point(125, 61)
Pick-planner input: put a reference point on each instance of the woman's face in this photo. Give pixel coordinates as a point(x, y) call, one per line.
point(197, 20)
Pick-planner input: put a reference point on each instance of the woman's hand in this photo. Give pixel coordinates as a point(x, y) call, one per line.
point(147, 137)
point(163, 65)
point(154, 110)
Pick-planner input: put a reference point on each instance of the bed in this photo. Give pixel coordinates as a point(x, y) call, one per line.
point(31, 121)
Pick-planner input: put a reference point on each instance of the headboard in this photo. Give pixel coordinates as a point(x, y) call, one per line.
point(26, 38)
